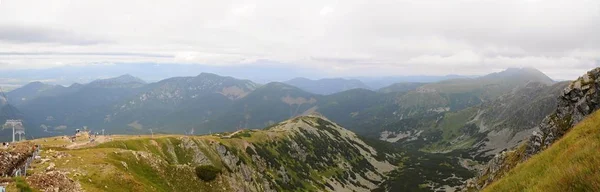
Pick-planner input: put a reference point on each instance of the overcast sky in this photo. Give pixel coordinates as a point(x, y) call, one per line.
point(338, 38)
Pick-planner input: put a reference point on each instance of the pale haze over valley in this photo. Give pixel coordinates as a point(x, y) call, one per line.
point(311, 95)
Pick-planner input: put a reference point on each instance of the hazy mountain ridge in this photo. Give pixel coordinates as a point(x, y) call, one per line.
point(401, 87)
point(31, 91)
point(326, 86)
point(207, 101)
point(119, 82)
point(59, 109)
point(381, 82)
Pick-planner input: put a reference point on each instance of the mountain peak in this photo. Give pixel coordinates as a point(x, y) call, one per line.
point(129, 78)
point(311, 121)
point(525, 74)
point(125, 80)
point(35, 83)
point(209, 75)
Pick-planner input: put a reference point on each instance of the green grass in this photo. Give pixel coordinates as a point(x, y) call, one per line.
point(570, 164)
point(162, 163)
point(452, 126)
point(454, 121)
point(22, 185)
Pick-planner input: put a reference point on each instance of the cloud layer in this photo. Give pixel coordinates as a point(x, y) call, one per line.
point(339, 38)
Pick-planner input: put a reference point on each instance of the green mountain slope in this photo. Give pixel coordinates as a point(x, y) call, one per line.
point(178, 105)
point(570, 164)
point(307, 153)
point(401, 87)
point(489, 127)
point(267, 105)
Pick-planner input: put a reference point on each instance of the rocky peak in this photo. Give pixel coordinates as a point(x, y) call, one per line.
point(313, 120)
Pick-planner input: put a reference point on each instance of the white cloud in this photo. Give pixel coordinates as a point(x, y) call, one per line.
point(464, 58)
point(243, 10)
point(326, 10)
point(342, 38)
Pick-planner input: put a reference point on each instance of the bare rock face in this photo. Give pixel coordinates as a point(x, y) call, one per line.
point(198, 157)
point(578, 100)
point(230, 159)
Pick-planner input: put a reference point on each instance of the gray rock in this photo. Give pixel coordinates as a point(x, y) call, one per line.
point(587, 79)
point(577, 85)
point(198, 157)
point(246, 172)
point(228, 158)
point(297, 151)
point(283, 174)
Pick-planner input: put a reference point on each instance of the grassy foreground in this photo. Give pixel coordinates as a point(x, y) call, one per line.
point(571, 164)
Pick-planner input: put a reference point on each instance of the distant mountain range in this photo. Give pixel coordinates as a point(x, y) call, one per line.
point(260, 72)
point(381, 82)
point(462, 121)
point(210, 102)
point(326, 86)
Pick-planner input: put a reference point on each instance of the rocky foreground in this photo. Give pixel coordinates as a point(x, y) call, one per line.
point(13, 156)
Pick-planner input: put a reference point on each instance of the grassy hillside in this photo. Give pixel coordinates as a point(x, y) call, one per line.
point(571, 164)
point(307, 153)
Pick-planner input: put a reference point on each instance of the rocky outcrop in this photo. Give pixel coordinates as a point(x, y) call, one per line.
point(198, 157)
point(54, 181)
point(578, 100)
point(14, 156)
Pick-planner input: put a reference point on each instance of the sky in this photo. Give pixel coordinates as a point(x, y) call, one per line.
point(336, 38)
